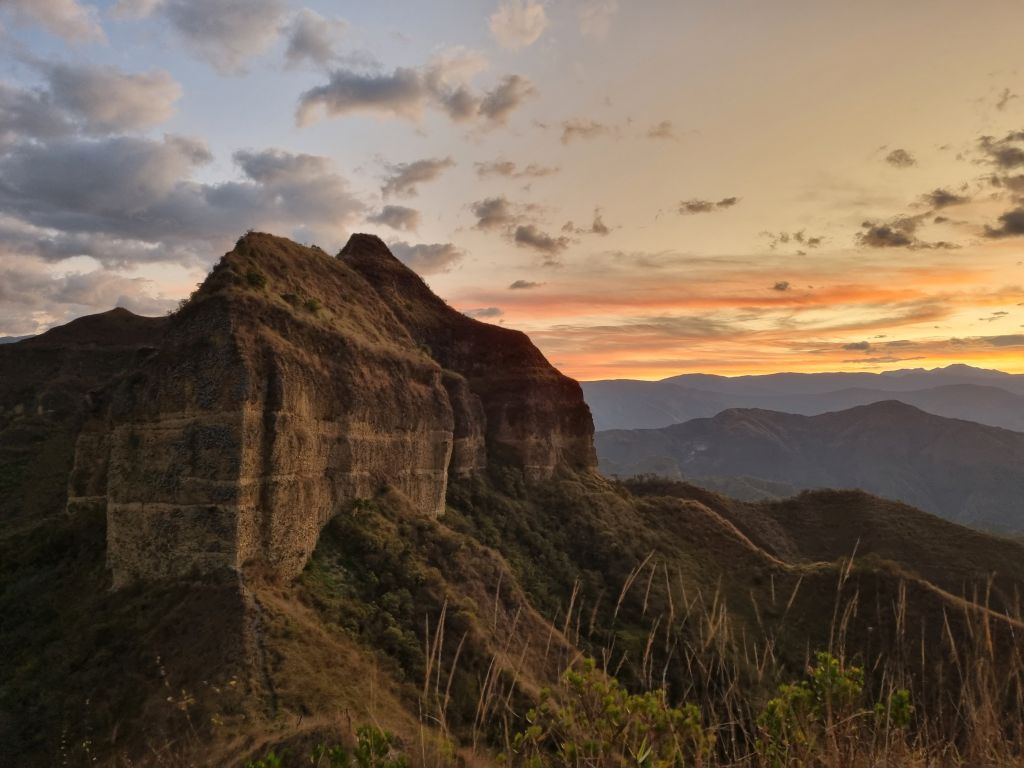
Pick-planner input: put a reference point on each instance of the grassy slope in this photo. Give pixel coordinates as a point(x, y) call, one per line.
point(524, 578)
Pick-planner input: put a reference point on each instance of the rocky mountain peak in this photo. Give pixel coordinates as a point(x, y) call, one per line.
point(291, 385)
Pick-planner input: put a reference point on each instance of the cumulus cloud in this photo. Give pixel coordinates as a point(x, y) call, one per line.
point(524, 285)
point(1005, 153)
point(1011, 225)
point(494, 213)
point(312, 38)
point(403, 179)
point(596, 17)
point(427, 258)
point(400, 93)
point(133, 199)
point(898, 232)
point(510, 170)
point(500, 102)
point(69, 19)
point(33, 296)
point(85, 99)
point(942, 198)
point(225, 33)
point(582, 129)
point(529, 236)
point(518, 23)
point(397, 217)
point(900, 158)
point(108, 100)
point(484, 313)
point(30, 114)
point(406, 92)
point(696, 205)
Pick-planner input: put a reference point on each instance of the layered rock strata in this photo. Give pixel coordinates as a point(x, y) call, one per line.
point(293, 384)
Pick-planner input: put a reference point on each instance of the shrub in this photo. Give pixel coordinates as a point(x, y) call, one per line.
point(374, 748)
point(824, 713)
point(256, 279)
point(594, 721)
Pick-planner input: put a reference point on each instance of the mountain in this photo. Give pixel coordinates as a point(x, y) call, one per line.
point(957, 391)
point(12, 339)
point(965, 472)
point(317, 498)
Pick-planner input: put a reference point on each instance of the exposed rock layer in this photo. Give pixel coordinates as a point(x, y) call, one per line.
point(295, 383)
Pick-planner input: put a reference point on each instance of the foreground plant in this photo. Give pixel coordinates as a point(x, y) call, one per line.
point(595, 722)
point(374, 748)
point(826, 716)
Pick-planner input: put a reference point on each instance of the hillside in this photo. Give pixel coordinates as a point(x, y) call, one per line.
point(957, 392)
point(317, 497)
point(964, 472)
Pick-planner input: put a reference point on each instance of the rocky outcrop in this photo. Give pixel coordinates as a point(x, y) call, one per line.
point(534, 417)
point(293, 384)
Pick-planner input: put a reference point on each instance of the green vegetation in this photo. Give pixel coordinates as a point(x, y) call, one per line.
point(255, 279)
point(596, 722)
point(374, 748)
point(826, 714)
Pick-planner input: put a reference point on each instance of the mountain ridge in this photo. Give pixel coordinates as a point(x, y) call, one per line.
point(992, 398)
point(962, 471)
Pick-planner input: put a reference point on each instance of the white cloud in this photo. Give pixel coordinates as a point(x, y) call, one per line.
point(225, 33)
point(109, 100)
point(313, 38)
point(68, 19)
point(518, 23)
point(133, 200)
point(34, 296)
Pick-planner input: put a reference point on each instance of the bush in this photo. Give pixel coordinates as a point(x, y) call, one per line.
point(596, 722)
point(256, 279)
point(824, 714)
point(374, 749)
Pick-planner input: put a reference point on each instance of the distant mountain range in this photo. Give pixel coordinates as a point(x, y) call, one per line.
point(957, 391)
point(965, 472)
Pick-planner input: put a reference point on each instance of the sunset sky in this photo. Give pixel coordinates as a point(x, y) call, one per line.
point(647, 188)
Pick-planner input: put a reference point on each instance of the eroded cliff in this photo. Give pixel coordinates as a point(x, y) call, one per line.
point(294, 383)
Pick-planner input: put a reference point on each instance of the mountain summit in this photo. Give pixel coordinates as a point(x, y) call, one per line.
point(293, 383)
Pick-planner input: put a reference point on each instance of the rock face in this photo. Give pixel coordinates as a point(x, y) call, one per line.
point(295, 383)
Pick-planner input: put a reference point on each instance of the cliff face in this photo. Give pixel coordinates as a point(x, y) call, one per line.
point(534, 417)
point(292, 385)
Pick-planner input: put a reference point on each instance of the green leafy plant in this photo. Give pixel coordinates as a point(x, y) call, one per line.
point(593, 721)
point(374, 749)
point(270, 760)
point(824, 711)
point(256, 279)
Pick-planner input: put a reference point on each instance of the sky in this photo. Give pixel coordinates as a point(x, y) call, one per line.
point(647, 188)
